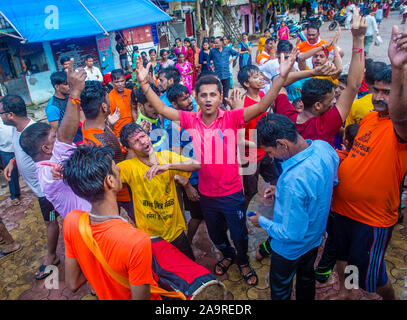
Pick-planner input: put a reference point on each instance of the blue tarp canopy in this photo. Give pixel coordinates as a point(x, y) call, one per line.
point(44, 20)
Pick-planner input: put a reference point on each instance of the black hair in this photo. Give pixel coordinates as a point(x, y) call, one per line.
point(384, 75)
point(88, 56)
point(15, 104)
point(58, 78)
point(270, 39)
point(208, 79)
point(151, 51)
point(33, 138)
point(86, 170)
point(205, 73)
point(228, 37)
point(143, 53)
point(245, 34)
point(64, 59)
point(314, 90)
point(162, 51)
point(267, 30)
point(212, 39)
point(171, 73)
point(350, 133)
point(312, 26)
point(138, 96)
point(177, 39)
point(127, 131)
point(274, 126)
point(175, 91)
point(135, 48)
point(219, 38)
point(92, 97)
point(187, 40)
point(343, 78)
point(116, 74)
point(245, 73)
point(284, 46)
point(372, 70)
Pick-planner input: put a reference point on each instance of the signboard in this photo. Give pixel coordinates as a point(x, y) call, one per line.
point(103, 43)
point(138, 35)
point(154, 32)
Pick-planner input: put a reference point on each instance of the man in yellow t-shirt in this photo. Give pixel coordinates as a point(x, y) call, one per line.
point(151, 177)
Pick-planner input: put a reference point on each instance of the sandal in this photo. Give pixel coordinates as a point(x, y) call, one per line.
point(249, 275)
point(3, 254)
point(42, 274)
point(222, 266)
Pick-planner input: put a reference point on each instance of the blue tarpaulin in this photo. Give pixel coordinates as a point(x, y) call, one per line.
point(45, 20)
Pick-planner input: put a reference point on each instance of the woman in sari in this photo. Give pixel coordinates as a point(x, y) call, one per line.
point(245, 51)
point(185, 68)
point(179, 47)
point(190, 57)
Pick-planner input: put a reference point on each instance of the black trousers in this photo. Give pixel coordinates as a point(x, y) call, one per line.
point(226, 87)
point(282, 272)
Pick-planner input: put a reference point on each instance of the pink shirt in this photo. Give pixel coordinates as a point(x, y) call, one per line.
point(215, 148)
point(57, 192)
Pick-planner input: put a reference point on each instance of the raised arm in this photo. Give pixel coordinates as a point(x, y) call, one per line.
point(260, 107)
point(357, 66)
point(153, 99)
point(337, 57)
point(70, 122)
point(327, 69)
point(398, 93)
point(304, 56)
point(187, 166)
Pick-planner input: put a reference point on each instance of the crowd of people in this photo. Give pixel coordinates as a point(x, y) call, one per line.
point(123, 166)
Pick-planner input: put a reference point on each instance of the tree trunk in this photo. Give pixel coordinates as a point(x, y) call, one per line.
point(198, 23)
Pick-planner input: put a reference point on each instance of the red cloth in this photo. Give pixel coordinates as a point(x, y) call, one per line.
point(323, 127)
point(364, 86)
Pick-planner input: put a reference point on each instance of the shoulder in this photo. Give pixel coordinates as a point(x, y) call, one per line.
point(71, 220)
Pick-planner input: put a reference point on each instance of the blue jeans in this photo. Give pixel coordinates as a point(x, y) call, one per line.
point(221, 213)
point(14, 185)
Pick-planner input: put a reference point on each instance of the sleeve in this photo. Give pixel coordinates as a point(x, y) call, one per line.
point(292, 227)
point(201, 61)
point(140, 271)
point(53, 113)
point(124, 171)
point(62, 151)
point(284, 107)
point(173, 157)
point(186, 119)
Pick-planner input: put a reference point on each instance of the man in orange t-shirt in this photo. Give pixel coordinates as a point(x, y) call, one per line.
point(93, 175)
point(268, 53)
point(367, 198)
point(120, 98)
point(96, 131)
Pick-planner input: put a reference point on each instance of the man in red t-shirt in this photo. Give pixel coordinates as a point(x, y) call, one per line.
point(322, 118)
point(251, 79)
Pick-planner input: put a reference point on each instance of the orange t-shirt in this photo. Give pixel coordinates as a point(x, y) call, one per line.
point(342, 154)
point(371, 175)
point(107, 138)
point(306, 46)
point(263, 57)
point(127, 251)
point(124, 105)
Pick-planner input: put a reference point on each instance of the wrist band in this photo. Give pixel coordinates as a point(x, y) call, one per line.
point(358, 50)
point(76, 102)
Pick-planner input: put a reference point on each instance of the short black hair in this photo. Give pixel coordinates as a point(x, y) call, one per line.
point(270, 39)
point(171, 73)
point(372, 70)
point(138, 96)
point(162, 51)
point(187, 40)
point(88, 56)
point(58, 78)
point(208, 79)
point(343, 78)
point(92, 97)
point(312, 26)
point(177, 39)
point(350, 133)
point(33, 138)
point(274, 126)
point(219, 38)
point(86, 170)
point(284, 46)
point(314, 90)
point(15, 104)
point(127, 131)
point(151, 51)
point(384, 75)
point(116, 74)
point(245, 73)
point(64, 59)
point(175, 91)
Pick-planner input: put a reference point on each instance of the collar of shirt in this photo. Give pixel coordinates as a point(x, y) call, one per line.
point(198, 115)
point(142, 117)
point(293, 161)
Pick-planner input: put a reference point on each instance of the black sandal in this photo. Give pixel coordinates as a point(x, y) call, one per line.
point(222, 266)
point(248, 275)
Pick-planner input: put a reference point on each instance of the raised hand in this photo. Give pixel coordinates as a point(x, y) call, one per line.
point(146, 125)
point(113, 118)
point(76, 79)
point(156, 170)
point(141, 71)
point(236, 100)
point(359, 25)
point(327, 69)
point(287, 64)
point(397, 50)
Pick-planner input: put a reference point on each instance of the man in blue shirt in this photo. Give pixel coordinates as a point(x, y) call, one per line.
point(302, 203)
point(220, 57)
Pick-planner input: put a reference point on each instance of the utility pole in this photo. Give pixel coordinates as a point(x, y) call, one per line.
point(198, 23)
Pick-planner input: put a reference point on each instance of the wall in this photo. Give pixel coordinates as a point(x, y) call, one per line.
point(105, 50)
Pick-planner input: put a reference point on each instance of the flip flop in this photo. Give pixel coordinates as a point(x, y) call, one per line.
point(3, 254)
point(42, 268)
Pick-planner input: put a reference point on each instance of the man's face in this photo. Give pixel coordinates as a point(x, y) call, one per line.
point(6, 117)
point(218, 43)
point(339, 89)
point(319, 59)
point(89, 62)
point(286, 56)
point(140, 143)
point(270, 46)
point(381, 97)
point(65, 65)
point(327, 102)
point(164, 83)
point(255, 81)
point(184, 102)
point(148, 110)
point(312, 36)
point(62, 88)
point(49, 143)
point(279, 152)
point(165, 55)
point(119, 84)
point(209, 98)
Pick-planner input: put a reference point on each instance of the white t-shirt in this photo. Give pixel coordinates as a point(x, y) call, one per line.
point(25, 164)
point(271, 69)
point(93, 74)
point(6, 142)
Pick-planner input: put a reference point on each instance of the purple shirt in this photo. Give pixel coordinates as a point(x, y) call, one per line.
point(57, 192)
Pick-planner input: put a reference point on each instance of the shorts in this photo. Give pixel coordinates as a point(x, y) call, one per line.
point(362, 246)
point(194, 207)
point(125, 63)
point(47, 209)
